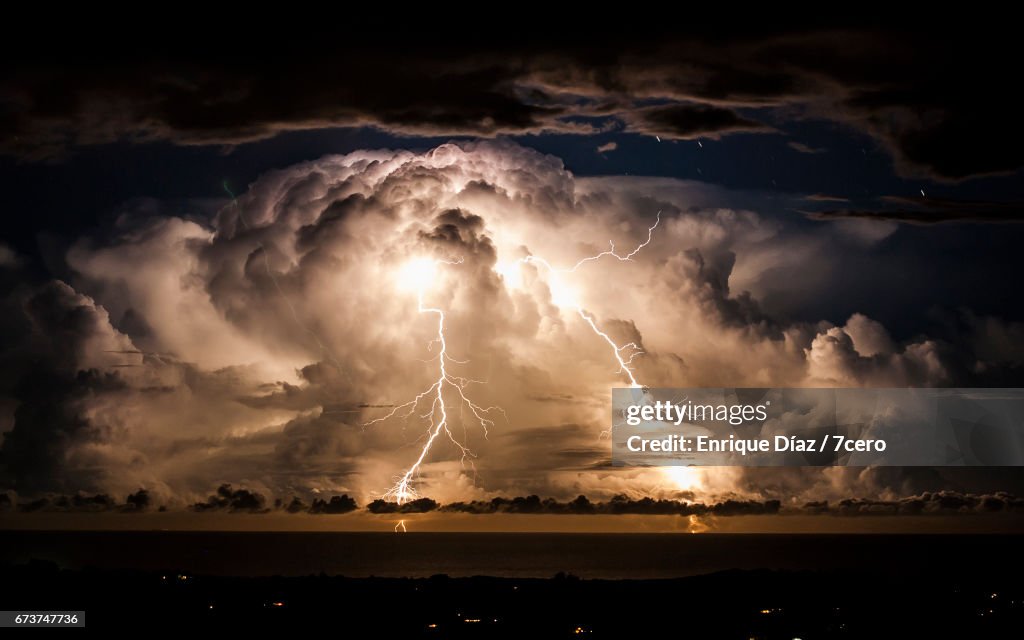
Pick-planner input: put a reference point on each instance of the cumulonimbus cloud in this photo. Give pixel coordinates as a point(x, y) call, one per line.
point(252, 348)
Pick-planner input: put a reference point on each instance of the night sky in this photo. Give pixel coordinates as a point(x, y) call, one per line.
point(202, 234)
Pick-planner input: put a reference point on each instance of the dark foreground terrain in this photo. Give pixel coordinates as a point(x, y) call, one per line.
point(731, 604)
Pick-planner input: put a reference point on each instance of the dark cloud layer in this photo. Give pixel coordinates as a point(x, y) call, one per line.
point(689, 121)
point(233, 500)
point(938, 99)
point(927, 210)
point(928, 503)
point(618, 505)
point(337, 504)
point(226, 499)
point(137, 502)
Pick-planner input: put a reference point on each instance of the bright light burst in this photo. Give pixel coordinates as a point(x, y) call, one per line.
point(683, 478)
point(419, 275)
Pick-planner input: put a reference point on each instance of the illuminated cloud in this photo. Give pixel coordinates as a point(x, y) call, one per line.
point(252, 348)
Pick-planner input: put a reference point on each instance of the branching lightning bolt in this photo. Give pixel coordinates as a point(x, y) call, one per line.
point(624, 354)
point(611, 251)
point(403, 491)
point(631, 347)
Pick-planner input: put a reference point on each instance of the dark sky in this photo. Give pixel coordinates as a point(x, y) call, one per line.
point(830, 108)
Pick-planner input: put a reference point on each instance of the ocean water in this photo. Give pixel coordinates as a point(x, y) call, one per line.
point(520, 555)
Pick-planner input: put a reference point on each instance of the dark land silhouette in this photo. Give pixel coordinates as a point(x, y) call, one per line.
point(978, 602)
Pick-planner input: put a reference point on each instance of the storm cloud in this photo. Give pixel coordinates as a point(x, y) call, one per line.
point(925, 211)
point(255, 348)
point(923, 95)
